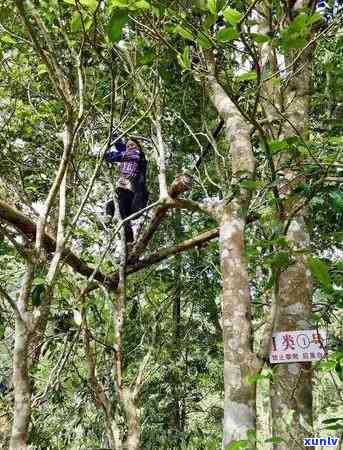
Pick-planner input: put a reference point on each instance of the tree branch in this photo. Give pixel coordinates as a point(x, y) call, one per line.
point(11, 302)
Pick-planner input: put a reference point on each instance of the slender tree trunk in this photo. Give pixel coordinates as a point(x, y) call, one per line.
point(21, 378)
point(22, 388)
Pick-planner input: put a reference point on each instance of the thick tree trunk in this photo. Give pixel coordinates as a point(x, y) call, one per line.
point(239, 360)
point(132, 441)
point(291, 392)
point(239, 403)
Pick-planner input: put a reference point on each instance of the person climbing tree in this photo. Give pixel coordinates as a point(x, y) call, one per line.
point(131, 185)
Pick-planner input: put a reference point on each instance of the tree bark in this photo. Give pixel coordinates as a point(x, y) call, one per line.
point(21, 378)
point(22, 388)
point(239, 359)
point(291, 392)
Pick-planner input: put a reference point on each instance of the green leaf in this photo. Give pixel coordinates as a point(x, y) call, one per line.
point(212, 6)
point(69, 2)
point(332, 420)
point(266, 373)
point(141, 4)
point(118, 19)
point(38, 294)
point(280, 260)
point(299, 23)
point(320, 271)
point(2, 330)
point(184, 32)
point(232, 16)
point(247, 76)
point(337, 201)
point(295, 42)
point(209, 21)
point(314, 18)
point(237, 445)
point(250, 184)
point(203, 40)
point(76, 23)
point(39, 280)
point(147, 57)
point(91, 4)
point(119, 4)
point(88, 22)
point(41, 68)
point(227, 34)
point(260, 38)
point(185, 60)
point(276, 146)
point(326, 366)
point(6, 39)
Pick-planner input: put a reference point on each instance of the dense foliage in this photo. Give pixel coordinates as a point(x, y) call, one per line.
point(136, 67)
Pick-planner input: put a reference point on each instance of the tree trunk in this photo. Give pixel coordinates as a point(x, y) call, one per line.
point(291, 392)
point(239, 402)
point(21, 378)
point(239, 360)
point(22, 388)
point(132, 441)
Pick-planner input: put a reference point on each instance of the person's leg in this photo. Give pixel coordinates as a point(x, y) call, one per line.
point(125, 198)
point(109, 208)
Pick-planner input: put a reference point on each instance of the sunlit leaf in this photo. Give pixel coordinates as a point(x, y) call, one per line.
point(212, 6)
point(141, 4)
point(237, 445)
point(247, 76)
point(232, 15)
point(91, 4)
point(76, 23)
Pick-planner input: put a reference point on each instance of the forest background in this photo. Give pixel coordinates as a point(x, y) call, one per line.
point(239, 107)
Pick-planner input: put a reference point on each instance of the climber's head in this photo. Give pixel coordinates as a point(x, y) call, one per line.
point(134, 142)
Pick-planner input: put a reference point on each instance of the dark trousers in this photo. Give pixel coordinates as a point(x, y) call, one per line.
point(125, 200)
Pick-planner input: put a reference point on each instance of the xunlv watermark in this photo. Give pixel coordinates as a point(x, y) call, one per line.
point(325, 441)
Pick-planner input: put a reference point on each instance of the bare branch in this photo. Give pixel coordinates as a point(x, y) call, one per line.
point(11, 302)
point(162, 174)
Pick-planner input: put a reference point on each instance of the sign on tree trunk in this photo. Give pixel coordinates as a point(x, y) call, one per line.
point(296, 346)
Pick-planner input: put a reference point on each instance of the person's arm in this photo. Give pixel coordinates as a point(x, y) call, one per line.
point(112, 155)
point(115, 153)
point(132, 154)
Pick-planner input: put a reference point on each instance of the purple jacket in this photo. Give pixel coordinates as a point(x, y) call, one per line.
point(130, 166)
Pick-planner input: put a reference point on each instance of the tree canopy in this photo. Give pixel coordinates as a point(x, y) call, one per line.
point(164, 344)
